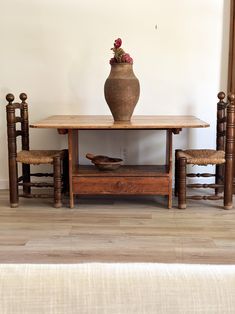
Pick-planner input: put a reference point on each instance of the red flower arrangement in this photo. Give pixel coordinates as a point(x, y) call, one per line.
point(120, 56)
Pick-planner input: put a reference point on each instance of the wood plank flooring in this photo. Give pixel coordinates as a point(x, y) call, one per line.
point(116, 230)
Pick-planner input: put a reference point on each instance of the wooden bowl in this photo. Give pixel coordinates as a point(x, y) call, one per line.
point(104, 162)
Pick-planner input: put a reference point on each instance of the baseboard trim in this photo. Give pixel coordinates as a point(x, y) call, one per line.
point(4, 185)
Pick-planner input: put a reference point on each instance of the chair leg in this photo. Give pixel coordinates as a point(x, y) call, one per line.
point(228, 184)
point(219, 175)
point(182, 183)
point(176, 172)
point(65, 176)
point(13, 183)
point(26, 178)
point(57, 181)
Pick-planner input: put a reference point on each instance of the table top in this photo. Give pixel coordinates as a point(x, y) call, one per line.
point(96, 122)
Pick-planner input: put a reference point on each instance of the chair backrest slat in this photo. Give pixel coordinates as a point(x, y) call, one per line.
point(19, 133)
point(12, 119)
point(18, 119)
point(15, 105)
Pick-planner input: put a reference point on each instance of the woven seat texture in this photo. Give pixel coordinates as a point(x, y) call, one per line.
point(203, 156)
point(37, 156)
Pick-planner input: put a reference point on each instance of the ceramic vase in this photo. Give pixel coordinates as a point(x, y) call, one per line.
point(122, 90)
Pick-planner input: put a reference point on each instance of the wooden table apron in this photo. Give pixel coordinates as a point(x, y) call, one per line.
point(128, 179)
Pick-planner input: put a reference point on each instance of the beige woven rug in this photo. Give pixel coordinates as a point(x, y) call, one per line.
point(117, 289)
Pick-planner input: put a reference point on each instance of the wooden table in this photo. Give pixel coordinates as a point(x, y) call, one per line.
point(128, 179)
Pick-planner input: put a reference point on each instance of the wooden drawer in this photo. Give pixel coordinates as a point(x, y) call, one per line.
point(121, 185)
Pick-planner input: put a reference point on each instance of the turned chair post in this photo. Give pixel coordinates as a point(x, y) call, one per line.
point(220, 138)
point(229, 150)
point(25, 140)
point(176, 172)
point(57, 181)
point(65, 165)
point(182, 183)
point(12, 151)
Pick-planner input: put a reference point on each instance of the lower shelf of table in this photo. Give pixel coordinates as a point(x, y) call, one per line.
point(127, 180)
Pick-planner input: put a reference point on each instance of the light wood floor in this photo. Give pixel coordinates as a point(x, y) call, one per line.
point(116, 230)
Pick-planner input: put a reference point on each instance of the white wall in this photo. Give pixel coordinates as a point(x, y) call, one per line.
point(58, 51)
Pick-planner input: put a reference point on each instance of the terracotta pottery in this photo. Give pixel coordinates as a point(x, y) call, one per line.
point(122, 90)
point(104, 162)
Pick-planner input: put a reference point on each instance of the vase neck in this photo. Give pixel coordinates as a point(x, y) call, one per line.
point(122, 65)
point(122, 70)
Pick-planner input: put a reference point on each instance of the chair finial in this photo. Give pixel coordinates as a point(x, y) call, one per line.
point(231, 97)
point(10, 98)
point(23, 97)
point(221, 96)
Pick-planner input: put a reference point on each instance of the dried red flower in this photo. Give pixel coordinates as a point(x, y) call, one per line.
point(126, 58)
point(118, 43)
point(120, 56)
point(112, 61)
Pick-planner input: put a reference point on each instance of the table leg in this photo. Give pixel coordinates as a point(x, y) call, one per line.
point(73, 161)
point(169, 164)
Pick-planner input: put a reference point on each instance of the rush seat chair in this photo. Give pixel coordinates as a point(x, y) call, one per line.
point(221, 157)
point(56, 158)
